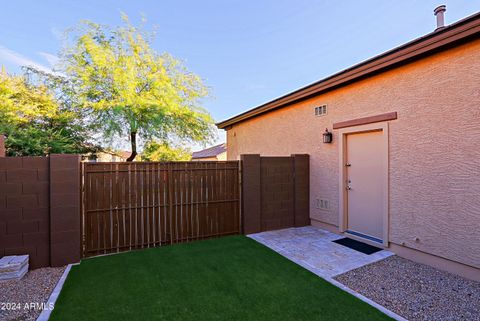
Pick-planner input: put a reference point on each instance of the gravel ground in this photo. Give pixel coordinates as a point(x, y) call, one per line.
point(416, 291)
point(34, 287)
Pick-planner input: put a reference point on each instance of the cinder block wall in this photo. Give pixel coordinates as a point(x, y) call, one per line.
point(64, 209)
point(33, 215)
point(24, 208)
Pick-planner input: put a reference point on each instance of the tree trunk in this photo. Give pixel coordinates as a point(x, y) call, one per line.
point(133, 141)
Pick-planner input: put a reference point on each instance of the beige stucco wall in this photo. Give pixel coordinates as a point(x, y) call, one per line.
point(222, 156)
point(434, 148)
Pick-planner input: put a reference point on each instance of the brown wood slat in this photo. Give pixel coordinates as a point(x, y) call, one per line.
point(171, 222)
point(101, 216)
point(153, 194)
point(135, 190)
point(129, 198)
point(165, 198)
point(114, 209)
point(204, 205)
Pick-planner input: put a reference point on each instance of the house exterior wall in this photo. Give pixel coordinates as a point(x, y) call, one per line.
point(434, 149)
point(107, 157)
point(222, 156)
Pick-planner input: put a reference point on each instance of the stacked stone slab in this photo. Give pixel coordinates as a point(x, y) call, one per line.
point(13, 267)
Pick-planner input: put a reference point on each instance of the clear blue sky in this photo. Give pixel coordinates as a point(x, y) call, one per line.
point(248, 52)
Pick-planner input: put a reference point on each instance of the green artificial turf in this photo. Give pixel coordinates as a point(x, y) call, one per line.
point(230, 278)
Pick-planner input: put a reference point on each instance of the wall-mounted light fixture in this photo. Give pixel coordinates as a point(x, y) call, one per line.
point(327, 137)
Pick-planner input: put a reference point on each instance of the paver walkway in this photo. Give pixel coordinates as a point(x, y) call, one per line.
point(313, 249)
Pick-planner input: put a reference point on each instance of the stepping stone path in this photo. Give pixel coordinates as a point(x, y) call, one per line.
point(13, 267)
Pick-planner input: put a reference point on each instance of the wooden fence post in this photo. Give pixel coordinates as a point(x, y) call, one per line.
point(2, 146)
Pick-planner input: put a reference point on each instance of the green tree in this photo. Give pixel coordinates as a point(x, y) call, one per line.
point(34, 122)
point(131, 91)
point(162, 152)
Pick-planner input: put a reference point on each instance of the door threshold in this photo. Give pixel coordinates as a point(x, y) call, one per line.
point(364, 236)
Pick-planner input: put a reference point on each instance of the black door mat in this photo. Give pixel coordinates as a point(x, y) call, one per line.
point(358, 246)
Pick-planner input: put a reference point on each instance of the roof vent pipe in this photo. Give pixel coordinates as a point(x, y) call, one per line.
point(440, 14)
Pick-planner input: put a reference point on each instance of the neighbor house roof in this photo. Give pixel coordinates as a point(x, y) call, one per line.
point(462, 31)
point(210, 152)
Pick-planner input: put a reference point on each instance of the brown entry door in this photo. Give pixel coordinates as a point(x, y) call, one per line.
point(366, 190)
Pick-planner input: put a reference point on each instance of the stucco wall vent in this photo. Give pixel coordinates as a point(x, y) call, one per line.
point(321, 110)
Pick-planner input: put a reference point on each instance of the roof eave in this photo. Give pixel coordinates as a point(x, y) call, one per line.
point(437, 40)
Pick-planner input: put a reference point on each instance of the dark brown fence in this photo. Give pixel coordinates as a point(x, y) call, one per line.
point(275, 192)
point(137, 205)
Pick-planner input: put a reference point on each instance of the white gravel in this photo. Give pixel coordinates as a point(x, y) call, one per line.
point(22, 300)
point(416, 291)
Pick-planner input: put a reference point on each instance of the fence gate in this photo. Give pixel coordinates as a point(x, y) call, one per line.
point(136, 205)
